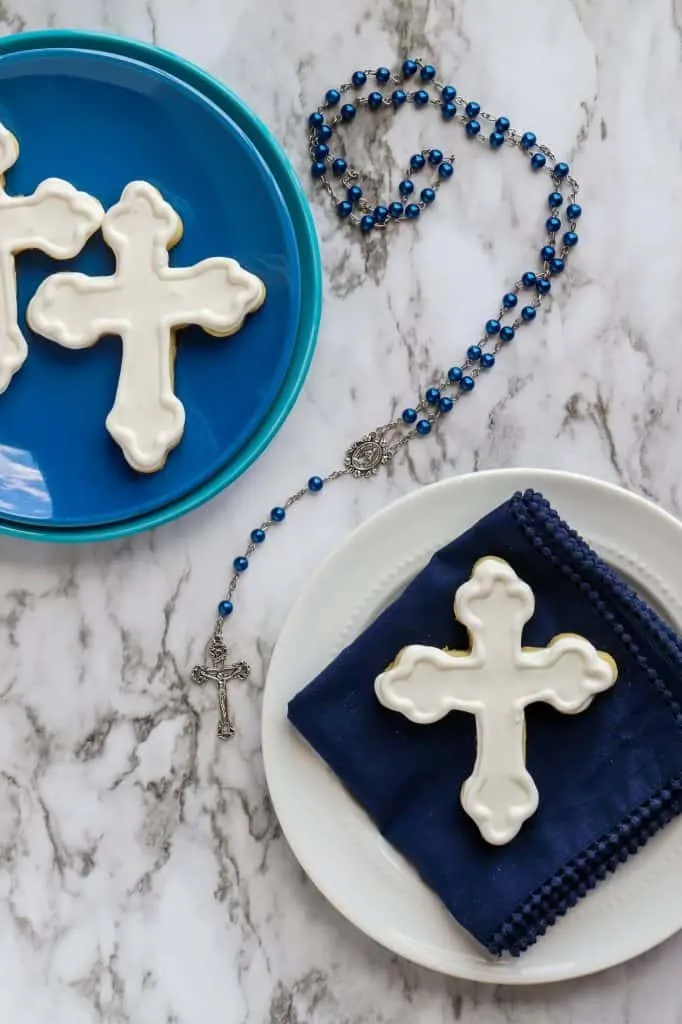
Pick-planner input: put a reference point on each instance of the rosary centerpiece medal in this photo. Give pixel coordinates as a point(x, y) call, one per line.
point(365, 457)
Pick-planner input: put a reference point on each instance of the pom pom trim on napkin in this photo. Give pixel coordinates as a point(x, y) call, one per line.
point(569, 553)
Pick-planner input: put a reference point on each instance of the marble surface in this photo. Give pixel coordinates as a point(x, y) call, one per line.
point(143, 876)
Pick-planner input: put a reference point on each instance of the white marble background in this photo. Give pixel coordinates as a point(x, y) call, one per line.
point(143, 877)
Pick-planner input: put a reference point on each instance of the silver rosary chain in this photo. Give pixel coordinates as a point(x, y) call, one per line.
point(366, 456)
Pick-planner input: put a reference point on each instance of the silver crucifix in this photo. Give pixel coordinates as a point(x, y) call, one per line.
point(216, 671)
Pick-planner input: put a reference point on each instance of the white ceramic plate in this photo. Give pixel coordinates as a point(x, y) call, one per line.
point(337, 844)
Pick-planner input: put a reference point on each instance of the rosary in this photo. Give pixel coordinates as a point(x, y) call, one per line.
point(365, 457)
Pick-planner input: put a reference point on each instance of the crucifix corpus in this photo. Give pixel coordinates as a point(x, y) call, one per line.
point(495, 681)
point(217, 672)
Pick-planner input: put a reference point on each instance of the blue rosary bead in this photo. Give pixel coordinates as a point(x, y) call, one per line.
point(258, 536)
point(278, 514)
point(477, 358)
point(225, 608)
point(315, 484)
point(241, 564)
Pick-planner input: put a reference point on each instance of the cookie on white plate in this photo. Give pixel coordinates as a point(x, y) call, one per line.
point(56, 219)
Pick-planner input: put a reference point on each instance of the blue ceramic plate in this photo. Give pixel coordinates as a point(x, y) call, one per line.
point(101, 112)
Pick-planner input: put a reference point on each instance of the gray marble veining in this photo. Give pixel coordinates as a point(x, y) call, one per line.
point(143, 876)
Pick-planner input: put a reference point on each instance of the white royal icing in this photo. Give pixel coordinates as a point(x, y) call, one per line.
point(143, 302)
point(495, 681)
point(57, 220)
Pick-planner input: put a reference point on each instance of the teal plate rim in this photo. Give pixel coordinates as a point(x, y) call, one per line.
point(311, 272)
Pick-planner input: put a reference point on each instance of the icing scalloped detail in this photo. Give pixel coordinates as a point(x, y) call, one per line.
point(57, 220)
point(495, 681)
point(144, 302)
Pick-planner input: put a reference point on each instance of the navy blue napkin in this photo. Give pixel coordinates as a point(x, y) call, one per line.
point(608, 778)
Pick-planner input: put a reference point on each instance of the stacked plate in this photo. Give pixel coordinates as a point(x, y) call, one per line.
point(100, 112)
